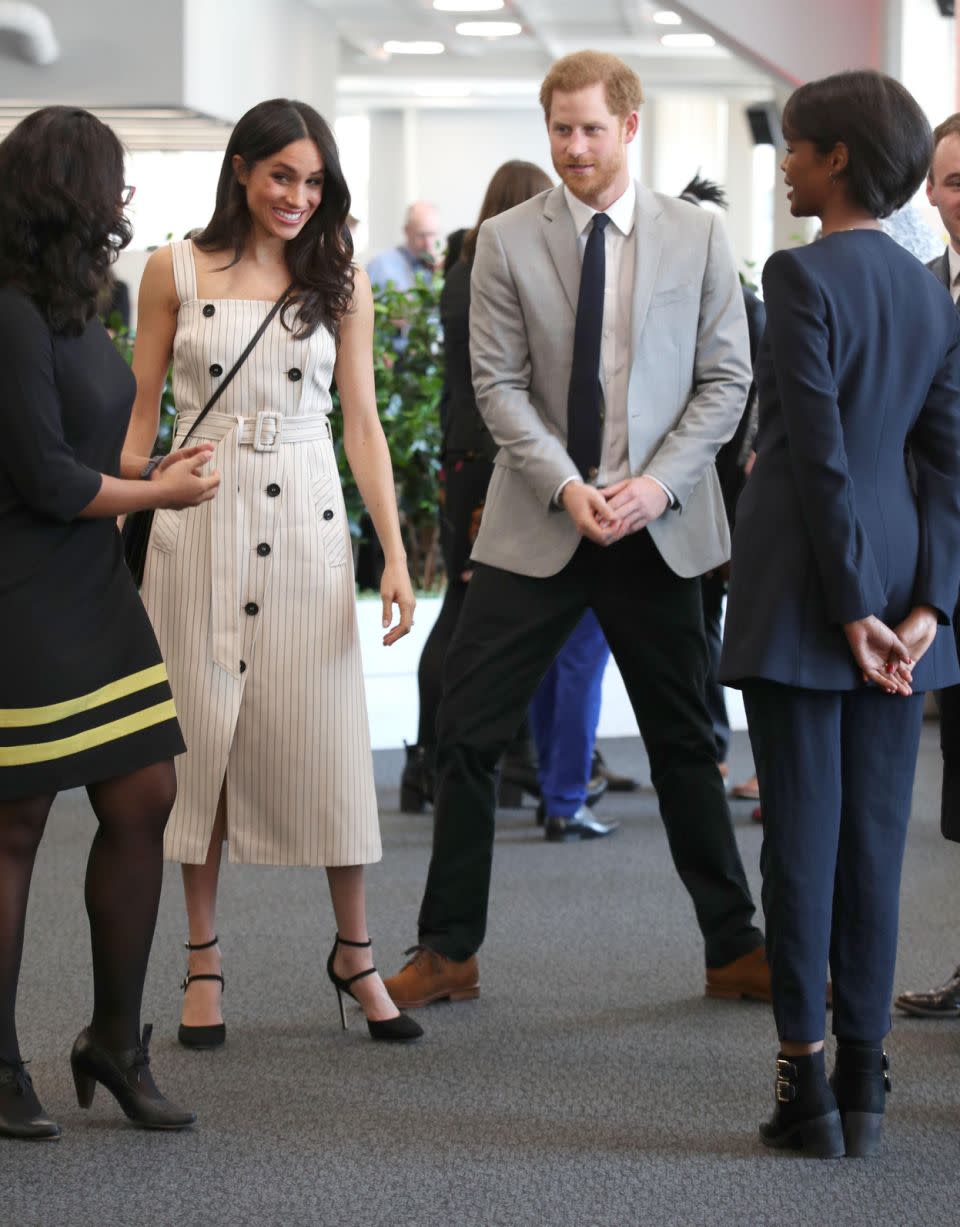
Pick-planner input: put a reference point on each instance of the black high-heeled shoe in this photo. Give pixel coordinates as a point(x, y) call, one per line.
point(213, 1035)
point(861, 1083)
point(401, 1029)
point(416, 782)
point(126, 1075)
point(806, 1116)
point(21, 1113)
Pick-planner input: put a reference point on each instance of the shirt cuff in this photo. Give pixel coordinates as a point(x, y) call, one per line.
point(559, 490)
point(672, 501)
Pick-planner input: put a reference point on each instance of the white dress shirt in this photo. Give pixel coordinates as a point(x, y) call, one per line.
point(616, 344)
point(953, 256)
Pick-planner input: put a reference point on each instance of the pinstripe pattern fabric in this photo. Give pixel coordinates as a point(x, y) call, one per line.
point(287, 729)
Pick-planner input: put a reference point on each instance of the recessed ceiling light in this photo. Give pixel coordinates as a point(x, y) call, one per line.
point(667, 18)
point(488, 29)
point(688, 40)
point(467, 6)
point(395, 47)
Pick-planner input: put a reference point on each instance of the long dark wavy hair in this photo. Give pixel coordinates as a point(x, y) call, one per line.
point(512, 184)
point(320, 258)
point(61, 218)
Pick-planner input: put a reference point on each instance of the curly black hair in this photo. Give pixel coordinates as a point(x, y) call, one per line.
point(704, 191)
point(61, 218)
point(320, 257)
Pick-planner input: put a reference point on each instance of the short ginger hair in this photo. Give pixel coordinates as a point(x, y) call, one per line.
point(585, 68)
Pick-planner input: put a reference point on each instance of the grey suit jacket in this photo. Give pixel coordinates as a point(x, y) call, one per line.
point(940, 267)
point(689, 375)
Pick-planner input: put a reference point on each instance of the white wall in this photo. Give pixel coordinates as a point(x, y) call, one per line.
point(239, 52)
point(797, 41)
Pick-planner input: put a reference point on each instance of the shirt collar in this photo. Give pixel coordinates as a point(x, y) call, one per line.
point(621, 212)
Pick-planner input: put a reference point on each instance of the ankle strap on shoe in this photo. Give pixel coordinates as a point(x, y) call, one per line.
point(342, 941)
point(786, 1081)
point(201, 945)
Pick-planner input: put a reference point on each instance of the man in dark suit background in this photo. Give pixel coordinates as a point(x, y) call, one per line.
point(943, 191)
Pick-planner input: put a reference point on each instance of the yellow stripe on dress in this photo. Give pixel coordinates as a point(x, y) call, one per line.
point(24, 717)
point(41, 752)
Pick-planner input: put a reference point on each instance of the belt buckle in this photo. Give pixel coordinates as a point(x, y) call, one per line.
point(269, 424)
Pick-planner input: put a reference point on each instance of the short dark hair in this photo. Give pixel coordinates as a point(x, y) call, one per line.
point(886, 134)
point(949, 127)
point(512, 184)
point(320, 257)
point(61, 220)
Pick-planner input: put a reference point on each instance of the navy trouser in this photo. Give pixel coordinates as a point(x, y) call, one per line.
point(836, 773)
point(564, 715)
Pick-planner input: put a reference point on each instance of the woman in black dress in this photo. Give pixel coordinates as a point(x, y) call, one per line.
point(843, 582)
point(468, 452)
point(84, 697)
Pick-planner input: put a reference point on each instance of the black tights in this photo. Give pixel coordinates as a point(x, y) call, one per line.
point(122, 893)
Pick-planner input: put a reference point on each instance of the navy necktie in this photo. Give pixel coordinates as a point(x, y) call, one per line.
point(584, 425)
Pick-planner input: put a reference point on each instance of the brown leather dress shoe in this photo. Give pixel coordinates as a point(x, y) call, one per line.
point(747, 977)
point(429, 976)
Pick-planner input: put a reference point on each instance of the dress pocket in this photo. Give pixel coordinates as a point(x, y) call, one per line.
point(166, 529)
point(332, 519)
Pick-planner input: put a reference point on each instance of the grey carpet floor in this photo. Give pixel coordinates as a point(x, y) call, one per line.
point(592, 1083)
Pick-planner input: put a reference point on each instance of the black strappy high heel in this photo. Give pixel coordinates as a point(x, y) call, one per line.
point(401, 1029)
point(214, 1035)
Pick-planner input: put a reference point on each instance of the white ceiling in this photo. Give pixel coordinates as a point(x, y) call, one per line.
point(505, 70)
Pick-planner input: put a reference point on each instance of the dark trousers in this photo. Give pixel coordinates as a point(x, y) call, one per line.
point(463, 490)
point(511, 628)
point(836, 775)
point(949, 704)
point(713, 589)
point(563, 717)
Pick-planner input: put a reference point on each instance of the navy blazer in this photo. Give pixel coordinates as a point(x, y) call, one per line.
point(861, 359)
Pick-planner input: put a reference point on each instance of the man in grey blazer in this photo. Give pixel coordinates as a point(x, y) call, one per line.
point(943, 191)
point(610, 361)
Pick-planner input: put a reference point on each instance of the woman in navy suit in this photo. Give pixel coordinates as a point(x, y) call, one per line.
point(844, 579)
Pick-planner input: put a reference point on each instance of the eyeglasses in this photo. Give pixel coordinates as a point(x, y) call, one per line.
point(127, 195)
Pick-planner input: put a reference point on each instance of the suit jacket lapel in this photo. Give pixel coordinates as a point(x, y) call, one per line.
point(561, 238)
point(648, 249)
point(945, 269)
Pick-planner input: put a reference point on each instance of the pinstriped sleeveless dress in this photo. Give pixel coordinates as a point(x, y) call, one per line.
point(252, 599)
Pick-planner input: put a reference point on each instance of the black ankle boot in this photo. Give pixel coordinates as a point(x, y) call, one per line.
point(416, 783)
point(806, 1116)
point(21, 1113)
point(126, 1075)
point(861, 1083)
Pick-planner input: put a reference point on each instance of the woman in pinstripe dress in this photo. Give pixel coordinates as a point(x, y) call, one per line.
point(253, 599)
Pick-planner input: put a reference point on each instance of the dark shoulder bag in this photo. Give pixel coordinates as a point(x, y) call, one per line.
point(137, 526)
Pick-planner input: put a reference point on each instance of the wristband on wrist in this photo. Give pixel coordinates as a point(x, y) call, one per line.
point(147, 471)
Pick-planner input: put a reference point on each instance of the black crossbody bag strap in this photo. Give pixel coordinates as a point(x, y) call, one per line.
point(225, 382)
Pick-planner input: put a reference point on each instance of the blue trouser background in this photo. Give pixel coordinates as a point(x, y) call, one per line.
point(836, 775)
point(564, 714)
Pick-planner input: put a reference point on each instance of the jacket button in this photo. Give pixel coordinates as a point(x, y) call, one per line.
point(273, 489)
point(294, 374)
point(251, 608)
point(263, 549)
point(209, 310)
point(592, 472)
point(328, 514)
point(243, 666)
point(216, 370)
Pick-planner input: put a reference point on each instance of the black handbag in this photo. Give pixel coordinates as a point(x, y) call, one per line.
point(137, 526)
